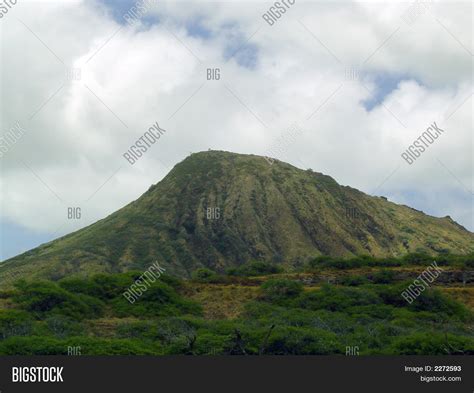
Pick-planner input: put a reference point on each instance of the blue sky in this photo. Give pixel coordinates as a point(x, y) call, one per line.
point(384, 83)
point(237, 47)
point(17, 239)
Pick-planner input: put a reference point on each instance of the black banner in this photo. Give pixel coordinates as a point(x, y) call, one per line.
point(237, 374)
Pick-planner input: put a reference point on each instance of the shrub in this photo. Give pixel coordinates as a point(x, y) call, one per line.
point(138, 329)
point(255, 269)
point(277, 290)
point(468, 260)
point(46, 297)
point(432, 300)
point(159, 299)
point(383, 277)
point(209, 343)
point(102, 286)
point(432, 343)
point(302, 341)
point(14, 323)
point(418, 258)
point(354, 281)
point(109, 286)
point(33, 345)
point(392, 294)
point(36, 345)
point(319, 262)
point(337, 299)
point(170, 329)
point(80, 285)
point(62, 326)
point(204, 275)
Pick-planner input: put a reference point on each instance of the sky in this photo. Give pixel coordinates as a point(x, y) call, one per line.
point(80, 83)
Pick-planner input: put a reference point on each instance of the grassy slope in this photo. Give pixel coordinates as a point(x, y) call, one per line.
point(277, 213)
point(224, 311)
point(226, 300)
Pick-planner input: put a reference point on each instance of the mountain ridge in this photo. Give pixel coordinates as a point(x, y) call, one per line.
point(220, 209)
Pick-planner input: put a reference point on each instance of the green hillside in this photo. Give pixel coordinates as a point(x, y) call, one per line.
point(219, 209)
point(354, 308)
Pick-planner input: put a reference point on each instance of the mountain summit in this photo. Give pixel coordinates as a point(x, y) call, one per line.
point(220, 209)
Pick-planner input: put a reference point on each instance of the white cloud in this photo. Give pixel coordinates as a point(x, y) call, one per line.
point(145, 74)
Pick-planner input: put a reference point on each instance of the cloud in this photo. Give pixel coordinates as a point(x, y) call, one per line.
point(295, 71)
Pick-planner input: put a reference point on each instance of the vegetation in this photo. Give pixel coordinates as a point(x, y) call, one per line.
point(257, 268)
point(279, 313)
point(410, 259)
point(267, 213)
point(327, 267)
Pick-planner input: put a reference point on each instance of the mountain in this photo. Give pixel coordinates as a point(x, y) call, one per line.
point(220, 209)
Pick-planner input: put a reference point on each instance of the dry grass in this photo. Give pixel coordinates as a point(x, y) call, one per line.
point(106, 327)
point(221, 301)
point(463, 294)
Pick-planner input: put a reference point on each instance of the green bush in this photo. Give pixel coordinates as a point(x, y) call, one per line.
point(35, 345)
point(44, 297)
point(277, 290)
point(350, 263)
point(138, 329)
point(80, 286)
point(433, 300)
point(284, 320)
point(32, 345)
point(14, 323)
point(159, 299)
point(354, 281)
point(209, 343)
point(413, 259)
point(383, 277)
point(165, 330)
point(432, 343)
point(204, 274)
point(418, 258)
point(62, 326)
point(319, 262)
point(302, 341)
point(430, 300)
point(337, 298)
point(102, 286)
point(468, 261)
point(256, 268)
